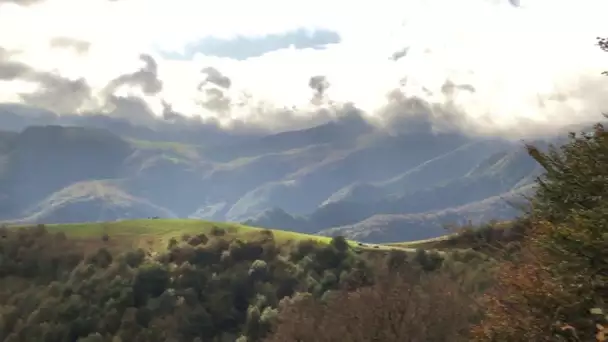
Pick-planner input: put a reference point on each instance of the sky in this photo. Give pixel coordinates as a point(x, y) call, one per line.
point(499, 65)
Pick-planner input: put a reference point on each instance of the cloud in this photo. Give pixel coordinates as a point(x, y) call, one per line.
point(216, 77)
point(21, 2)
point(146, 78)
point(449, 88)
point(10, 70)
point(397, 55)
point(53, 91)
point(319, 84)
point(487, 66)
point(59, 94)
point(79, 46)
point(215, 98)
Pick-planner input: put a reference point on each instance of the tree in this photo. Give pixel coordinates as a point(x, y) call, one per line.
point(339, 243)
point(552, 288)
point(150, 282)
point(406, 306)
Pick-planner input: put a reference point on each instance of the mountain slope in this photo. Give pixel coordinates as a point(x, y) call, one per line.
point(382, 228)
point(333, 175)
point(43, 160)
point(498, 173)
point(443, 168)
point(374, 157)
point(95, 201)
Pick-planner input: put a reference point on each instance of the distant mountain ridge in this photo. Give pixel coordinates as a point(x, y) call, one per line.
point(344, 176)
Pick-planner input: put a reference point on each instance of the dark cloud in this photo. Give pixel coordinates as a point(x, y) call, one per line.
point(55, 92)
point(179, 121)
point(132, 108)
point(146, 78)
point(80, 46)
point(213, 89)
point(241, 48)
point(216, 77)
point(10, 70)
point(449, 88)
point(403, 114)
point(59, 94)
point(67, 96)
point(413, 114)
point(169, 114)
point(397, 55)
point(216, 100)
point(319, 84)
point(63, 95)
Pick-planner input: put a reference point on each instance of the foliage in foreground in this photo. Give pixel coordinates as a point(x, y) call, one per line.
point(204, 288)
point(556, 287)
point(402, 306)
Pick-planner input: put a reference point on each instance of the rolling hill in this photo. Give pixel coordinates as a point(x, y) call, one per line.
point(154, 235)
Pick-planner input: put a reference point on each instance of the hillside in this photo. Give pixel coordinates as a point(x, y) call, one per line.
point(385, 228)
point(155, 233)
point(80, 201)
point(345, 173)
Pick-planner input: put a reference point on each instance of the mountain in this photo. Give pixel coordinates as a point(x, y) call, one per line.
point(17, 117)
point(343, 176)
point(96, 201)
point(42, 160)
point(381, 228)
point(425, 190)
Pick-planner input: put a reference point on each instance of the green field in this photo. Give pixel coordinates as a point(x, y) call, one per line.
point(458, 240)
point(156, 233)
point(189, 152)
point(424, 244)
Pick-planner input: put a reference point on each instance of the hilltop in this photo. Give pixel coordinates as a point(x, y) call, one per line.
point(155, 234)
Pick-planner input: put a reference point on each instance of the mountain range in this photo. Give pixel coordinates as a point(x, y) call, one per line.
point(343, 177)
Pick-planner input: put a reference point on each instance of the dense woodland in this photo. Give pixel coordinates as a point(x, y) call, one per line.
point(216, 288)
point(542, 277)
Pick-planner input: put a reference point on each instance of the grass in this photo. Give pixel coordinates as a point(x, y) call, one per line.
point(184, 150)
point(457, 240)
point(154, 234)
point(424, 244)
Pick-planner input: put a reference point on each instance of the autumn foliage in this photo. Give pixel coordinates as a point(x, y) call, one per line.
point(399, 307)
point(556, 286)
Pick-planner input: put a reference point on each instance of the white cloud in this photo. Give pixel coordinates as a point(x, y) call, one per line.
point(536, 61)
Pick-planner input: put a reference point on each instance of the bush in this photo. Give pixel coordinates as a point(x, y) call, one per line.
point(548, 289)
point(399, 307)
